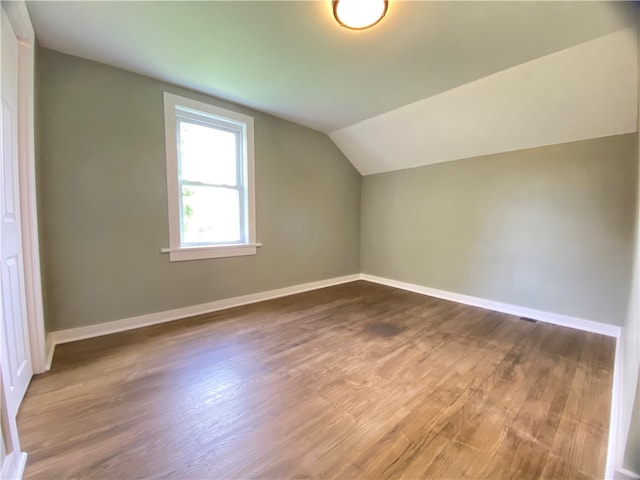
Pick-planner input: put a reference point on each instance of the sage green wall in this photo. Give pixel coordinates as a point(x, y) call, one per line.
point(102, 183)
point(38, 157)
point(548, 228)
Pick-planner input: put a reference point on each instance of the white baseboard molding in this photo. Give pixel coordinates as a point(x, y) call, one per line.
point(547, 317)
point(21, 465)
point(106, 328)
point(81, 333)
point(50, 347)
point(613, 455)
point(624, 474)
point(13, 468)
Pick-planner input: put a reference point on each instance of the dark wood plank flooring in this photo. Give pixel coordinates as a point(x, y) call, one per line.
point(353, 381)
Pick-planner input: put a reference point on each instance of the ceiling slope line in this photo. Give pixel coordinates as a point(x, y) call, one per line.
point(585, 91)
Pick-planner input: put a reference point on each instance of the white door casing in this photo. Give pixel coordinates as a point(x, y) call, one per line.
point(16, 356)
point(18, 15)
point(22, 345)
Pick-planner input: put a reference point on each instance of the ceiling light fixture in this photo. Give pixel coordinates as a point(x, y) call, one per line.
point(359, 14)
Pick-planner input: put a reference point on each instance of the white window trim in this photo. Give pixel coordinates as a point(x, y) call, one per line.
point(176, 251)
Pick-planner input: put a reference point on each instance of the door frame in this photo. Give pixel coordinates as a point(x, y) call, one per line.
point(18, 15)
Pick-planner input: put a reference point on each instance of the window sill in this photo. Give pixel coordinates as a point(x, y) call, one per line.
point(180, 254)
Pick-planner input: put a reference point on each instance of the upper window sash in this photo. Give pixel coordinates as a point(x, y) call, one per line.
point(241, 153)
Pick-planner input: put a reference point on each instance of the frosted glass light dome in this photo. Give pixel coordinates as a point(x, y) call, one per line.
point(359, 14)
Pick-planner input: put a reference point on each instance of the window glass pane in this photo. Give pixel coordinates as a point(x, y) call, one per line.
point(207, 154)
point(210, 215)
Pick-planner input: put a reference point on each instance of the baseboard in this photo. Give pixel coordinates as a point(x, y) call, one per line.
point(106, 328)
point(81, 333)
point(14, 469)
point(547, 317)
point(50, 347)
point(22, 463)
point(614, 416)
point(624, 474)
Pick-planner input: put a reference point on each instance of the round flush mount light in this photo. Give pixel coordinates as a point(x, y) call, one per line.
point(359, 14)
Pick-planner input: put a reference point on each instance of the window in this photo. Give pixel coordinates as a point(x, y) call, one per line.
point(210, 183)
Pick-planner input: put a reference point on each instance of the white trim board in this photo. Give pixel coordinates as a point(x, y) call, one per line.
point(20, 21)
point(614, 414)
point(50, 349)
point(106, 328)
point(547, 317)
point(15, 468)
point(624, 474)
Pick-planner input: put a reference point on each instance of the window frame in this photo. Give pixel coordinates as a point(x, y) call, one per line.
point(175, 108)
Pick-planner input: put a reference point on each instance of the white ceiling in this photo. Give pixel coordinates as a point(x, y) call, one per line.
point(291, 59)
point(586, 91)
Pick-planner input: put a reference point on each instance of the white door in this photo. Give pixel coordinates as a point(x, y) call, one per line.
point(16, 357)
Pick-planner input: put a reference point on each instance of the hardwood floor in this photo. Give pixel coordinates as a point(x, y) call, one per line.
point(352, 381)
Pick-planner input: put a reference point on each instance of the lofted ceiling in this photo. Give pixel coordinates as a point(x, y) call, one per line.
point(292, 60)
point(582, 92)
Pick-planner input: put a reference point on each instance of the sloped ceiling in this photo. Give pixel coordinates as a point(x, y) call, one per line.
point(586, 91)
point(434, 81)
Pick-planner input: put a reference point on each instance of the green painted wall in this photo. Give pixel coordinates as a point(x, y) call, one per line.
point(38, 161)
point(102, 186)
point(548, 228)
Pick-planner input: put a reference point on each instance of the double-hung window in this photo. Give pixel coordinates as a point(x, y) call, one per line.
point(210, 181)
